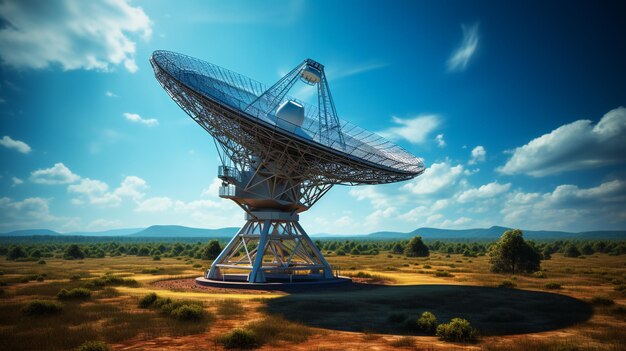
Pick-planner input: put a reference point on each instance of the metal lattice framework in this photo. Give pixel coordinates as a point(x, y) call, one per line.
point(275, 169)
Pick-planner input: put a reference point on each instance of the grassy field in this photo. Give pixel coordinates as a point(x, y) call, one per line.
point(574, 304)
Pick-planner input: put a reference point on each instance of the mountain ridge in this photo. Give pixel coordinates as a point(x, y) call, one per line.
point(491, 233)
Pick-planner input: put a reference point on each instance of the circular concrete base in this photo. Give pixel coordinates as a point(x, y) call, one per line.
point(275, 284)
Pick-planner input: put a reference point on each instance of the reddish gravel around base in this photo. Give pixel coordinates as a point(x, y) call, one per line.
point(189, 284)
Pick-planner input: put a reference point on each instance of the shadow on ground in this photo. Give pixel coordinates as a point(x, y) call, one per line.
point(393, 309)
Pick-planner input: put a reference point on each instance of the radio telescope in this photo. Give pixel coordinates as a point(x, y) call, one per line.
point(279, 156)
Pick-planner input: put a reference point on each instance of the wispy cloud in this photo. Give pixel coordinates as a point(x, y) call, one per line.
point(462, 55)
point(133, 117)
point(110, 94)
point(414, 130)
point(18, 145)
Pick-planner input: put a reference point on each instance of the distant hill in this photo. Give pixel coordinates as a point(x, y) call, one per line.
point(31, 232)
point(493, 233)
point(175, 231)
point(111, 232)
point(159, 231)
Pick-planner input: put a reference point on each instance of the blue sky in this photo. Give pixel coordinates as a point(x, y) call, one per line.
point(516, 107)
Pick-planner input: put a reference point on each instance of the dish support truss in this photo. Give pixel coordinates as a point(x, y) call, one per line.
point(273, 246)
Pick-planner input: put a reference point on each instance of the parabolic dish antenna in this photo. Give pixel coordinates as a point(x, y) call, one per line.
point(279, 156)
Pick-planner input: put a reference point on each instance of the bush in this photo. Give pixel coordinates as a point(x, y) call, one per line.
point(41, 307)
point(601, 301)
point(427, 322)
point(211, 251)
point(41, 261)
point(148, 300)
point(240, 339)
point(78, 293)
point(416, 248)
point(188, 312)
point(75, 277)
point(443, 274)
point(571, 251)
point(73, 252)
point(458, 330)
point(40, 278)
point(511, 254)
point(156, 258)
point(93, 346)
point(552, 286)
point(540, 274)
point(508, 284)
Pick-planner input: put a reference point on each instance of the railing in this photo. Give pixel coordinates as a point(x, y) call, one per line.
point(228, 190)
point(227, 173)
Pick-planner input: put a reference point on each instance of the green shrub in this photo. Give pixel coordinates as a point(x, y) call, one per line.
point(197, 265)
point(427, 322)
point(78, 293)
point(93, 346)
point(458, 330)
point(442, 273)
point(41, 307)
point(188, 312)
point(540, 274)
point(75, 277)
point(40, 278)
point(552, 286)
point(41, 261)
point(156, 258)
point(148, 300)
point(601, 301)
point(508, 284)
point(24, 280)
point(427, 266)
point(240, 339)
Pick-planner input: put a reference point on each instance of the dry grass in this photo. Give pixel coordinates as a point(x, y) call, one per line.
point(112, 314)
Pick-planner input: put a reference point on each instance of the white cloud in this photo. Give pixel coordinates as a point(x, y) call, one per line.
point(17, 181)
point(574, 146)
point(462, 55)
point(569, 207)
point(155, 204)
point(415, 130)
point(57, 174)
point(72, 33)
point(369, 192)
point(440, 141)
point(20, 146)
point(436, 178)
point(96, 192)
point(478, 155)
point(133, 117)
point(109, 93)
point(460, 222)
point(29, 213)
point(484, 192)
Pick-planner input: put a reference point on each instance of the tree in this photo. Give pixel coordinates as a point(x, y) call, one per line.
point(416, 248)
point(511, 254)
point(15, 253)
point(571, 251)
point(73, 252)
point(397, 249)
point(211, 251)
